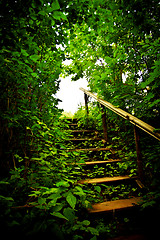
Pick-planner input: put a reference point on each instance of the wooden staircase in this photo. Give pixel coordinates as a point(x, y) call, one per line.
point(86, 135)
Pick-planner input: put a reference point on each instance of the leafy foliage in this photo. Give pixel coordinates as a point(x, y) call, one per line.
point(38, 191)
point(119, 58)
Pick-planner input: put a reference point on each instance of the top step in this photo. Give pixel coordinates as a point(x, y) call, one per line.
point(71, 120)
point(72, 125)
point(85, 131)
point(83, 139)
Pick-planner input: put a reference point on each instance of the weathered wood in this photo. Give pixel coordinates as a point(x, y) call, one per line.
point(104, 124)
point(86, 102)
point(72, 124)
point(135, 121)
point(138, 151)
point(83, 131)
point(101, 162)
point(86, 106)
point(105, 179)
point(140, 184)
point(89, 149)
point(83, 139)
point(114, 205)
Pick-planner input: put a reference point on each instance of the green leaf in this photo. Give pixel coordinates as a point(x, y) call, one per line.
point(79, 191)
point(62, 184)
point(58, 15)
point(41, 200)
point(51, 190)
point(69, 214)
point(24, 52)
point(43, 13)
point(14, 223)
point(71, 199)
point(52, 22)
point(86, 222)
point(93, 231)
point(63, 16)
point(34, 57)
point(6, 198)
point(154, 103)
point(57, 208)
point(55, 5)
point(52, 202)
point(54, 197)
point(97, 188)
point(34, 74)
point(156, 130)
point(3, 182)
point(94, 238)
point(59, 215)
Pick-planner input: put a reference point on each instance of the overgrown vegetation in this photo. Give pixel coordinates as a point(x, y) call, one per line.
point(115, 45)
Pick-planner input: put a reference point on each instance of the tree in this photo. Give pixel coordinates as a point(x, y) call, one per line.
point(106, 40)
point(113, 39)
point(31, 61)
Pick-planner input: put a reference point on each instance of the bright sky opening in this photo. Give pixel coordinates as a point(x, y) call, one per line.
point(70, 94)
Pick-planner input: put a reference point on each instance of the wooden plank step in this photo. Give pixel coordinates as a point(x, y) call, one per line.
point(106, 179)
point(100, 162)
point(83, 139)
point(83, 131)
point(72, 120)
point(88, 149)
point(114, 205)
point(141, 236)
point(72, 124)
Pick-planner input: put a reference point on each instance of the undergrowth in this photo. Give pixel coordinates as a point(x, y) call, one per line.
point(44, 197)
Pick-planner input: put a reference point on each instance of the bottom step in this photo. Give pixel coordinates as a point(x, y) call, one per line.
point(114, 205)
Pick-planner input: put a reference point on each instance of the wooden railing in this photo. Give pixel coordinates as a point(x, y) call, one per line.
point(132, 119)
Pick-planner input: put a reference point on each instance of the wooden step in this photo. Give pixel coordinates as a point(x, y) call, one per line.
point(100, 162)
point(141, 236)
point(89, 149)
point(83, 139)
point(114, 205)
point(106, 179)
point(84, 131)
point(72, 120)
point(72, 124)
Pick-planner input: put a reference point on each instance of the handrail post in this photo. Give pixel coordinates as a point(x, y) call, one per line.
point(104, 123)
point(139, 155)
point(86, 105)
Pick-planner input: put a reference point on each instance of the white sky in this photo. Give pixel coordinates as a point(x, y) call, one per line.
point(70, 94)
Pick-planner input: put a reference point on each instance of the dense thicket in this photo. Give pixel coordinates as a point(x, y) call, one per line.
point(30, 66)
point(115, 45)
point(30, 129)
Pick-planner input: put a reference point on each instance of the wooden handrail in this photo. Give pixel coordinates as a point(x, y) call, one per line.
point(135, 121)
